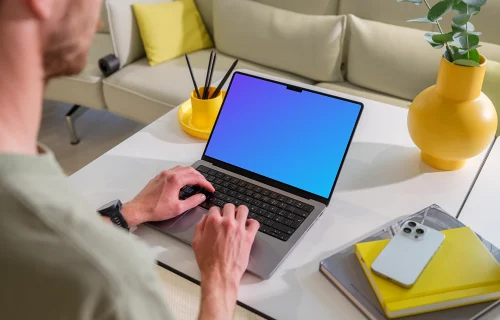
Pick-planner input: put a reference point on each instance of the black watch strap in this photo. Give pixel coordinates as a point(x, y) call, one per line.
point(112, 210)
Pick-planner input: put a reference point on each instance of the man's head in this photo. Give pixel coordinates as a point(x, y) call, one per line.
point(65, 29)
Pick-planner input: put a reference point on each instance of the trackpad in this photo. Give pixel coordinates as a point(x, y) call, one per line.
point(182, 226)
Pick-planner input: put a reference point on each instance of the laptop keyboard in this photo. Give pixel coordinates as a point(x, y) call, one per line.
point(279, 216)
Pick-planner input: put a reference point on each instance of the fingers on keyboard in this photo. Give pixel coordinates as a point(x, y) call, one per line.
point(279, 216)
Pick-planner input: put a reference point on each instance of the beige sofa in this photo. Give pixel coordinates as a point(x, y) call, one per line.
point(382, 57)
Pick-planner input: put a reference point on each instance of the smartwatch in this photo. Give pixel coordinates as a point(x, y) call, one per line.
point(112, 210)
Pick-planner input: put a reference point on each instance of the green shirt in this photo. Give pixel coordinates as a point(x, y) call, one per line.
point(59, 260)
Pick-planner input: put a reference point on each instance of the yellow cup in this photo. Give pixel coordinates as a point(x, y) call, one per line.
point(204, 112)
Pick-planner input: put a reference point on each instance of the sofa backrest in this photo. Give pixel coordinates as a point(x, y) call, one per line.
point(391, 12)
point(386, 11)
point(306, 45)
point(315, 7)
point(382, 51)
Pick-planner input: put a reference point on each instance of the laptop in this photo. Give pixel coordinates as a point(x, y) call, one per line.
point(277, 147)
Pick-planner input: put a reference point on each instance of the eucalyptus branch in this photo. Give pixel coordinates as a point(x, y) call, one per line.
point(441, 30)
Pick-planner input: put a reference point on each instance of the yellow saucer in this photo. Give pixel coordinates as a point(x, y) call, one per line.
point(184, 115)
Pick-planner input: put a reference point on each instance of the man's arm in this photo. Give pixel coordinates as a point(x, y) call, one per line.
point(159, 200)
point(222, 244)
point(218, 299)
point(222, 241)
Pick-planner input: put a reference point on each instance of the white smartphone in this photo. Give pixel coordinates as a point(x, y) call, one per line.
point(408, 253)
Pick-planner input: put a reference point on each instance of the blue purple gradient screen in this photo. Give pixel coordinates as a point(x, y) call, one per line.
point(297, 138)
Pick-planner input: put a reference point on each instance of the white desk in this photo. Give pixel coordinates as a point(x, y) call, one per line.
point(383, 178)
point(481, 211)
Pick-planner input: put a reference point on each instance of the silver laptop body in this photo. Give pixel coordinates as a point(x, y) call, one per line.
point(268, 251)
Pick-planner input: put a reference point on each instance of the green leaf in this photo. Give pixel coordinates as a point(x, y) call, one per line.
point(439, 10)
point(464, 51)
point(443, 38)
point(475, 3)
point(474, 10)
point(457, 28)
point(466, 40)
point(428, 38)
point(456, 54)
point(474, 56)
point(461, 7)
point(466, 63)
point(417, 2)
point(461, 19)
point(422, 20)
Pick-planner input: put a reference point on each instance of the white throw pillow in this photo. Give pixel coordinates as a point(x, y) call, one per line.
point(127, 42)
point(307, 45)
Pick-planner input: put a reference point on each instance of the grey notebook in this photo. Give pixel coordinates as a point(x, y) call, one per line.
point(344, 271)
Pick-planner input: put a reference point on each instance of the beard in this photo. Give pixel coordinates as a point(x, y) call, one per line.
point(66, 47)
point(64, 60)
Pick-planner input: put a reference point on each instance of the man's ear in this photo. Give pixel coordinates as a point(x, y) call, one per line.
point(42, 9)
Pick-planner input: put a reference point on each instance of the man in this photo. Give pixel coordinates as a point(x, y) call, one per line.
point(58, 259)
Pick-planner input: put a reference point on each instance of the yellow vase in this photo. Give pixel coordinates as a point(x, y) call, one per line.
point(453, 120)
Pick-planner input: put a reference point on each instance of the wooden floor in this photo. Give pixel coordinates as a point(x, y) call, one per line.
point(100, 131)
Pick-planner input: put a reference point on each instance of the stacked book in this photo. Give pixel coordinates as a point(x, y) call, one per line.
point(462, 281)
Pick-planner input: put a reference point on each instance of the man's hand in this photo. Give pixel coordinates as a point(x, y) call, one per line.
point(222, 244)
point(159, 200)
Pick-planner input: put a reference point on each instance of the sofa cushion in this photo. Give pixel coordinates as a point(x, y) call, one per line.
point(143, 93)
point(398, 13)
point(86, 88)
point(386, 11)
point(390, 59)
point(394, 60)
point(317, 7)
point(127, 43)
point(348, 88)
point(307, 45)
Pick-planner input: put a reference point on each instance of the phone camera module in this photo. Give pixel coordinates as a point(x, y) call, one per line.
point(420, 231)
point(412, 224)
point(407, 230)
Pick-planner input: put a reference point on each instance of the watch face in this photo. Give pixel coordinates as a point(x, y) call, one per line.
point(109, 206)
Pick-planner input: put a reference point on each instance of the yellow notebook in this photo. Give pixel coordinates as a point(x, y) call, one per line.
point(462, 272)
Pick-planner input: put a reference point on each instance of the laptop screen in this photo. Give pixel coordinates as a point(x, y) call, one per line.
point(296, 137)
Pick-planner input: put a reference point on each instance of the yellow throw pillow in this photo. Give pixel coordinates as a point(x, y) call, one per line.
point(491, 85)
point(170, 29)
